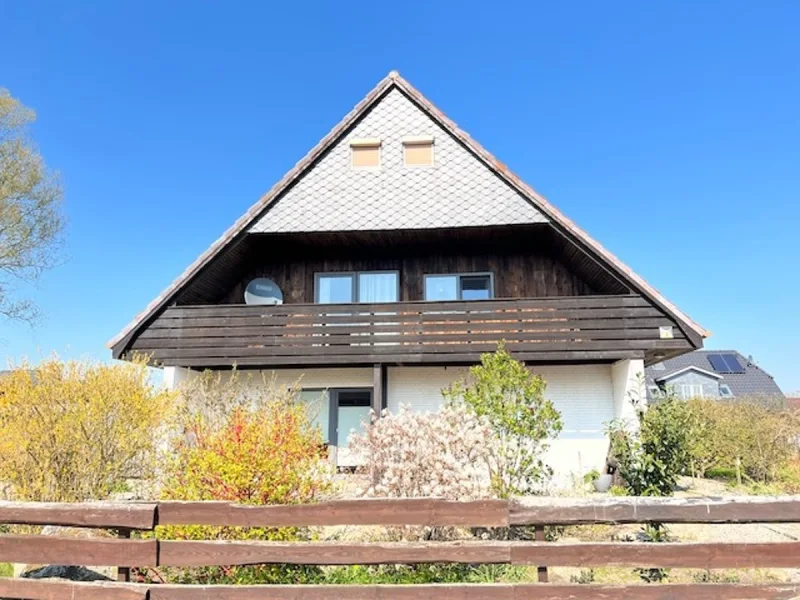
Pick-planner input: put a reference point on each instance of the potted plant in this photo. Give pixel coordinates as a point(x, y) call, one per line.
point(601, 482)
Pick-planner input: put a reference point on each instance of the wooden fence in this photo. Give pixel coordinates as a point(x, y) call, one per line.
point(125, 552)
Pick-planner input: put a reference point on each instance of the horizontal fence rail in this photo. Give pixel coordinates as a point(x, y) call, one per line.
point(568, 328)
point(46, 590)
point(152, 552)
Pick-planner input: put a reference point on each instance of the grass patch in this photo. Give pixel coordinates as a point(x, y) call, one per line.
point(721, 473)
point(445, 573)
point(6, 570)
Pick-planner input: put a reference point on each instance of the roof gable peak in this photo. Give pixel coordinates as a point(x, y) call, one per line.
point(395, 80)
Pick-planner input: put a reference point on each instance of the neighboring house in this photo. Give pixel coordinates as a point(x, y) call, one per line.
point(724, 374)
point(401, 251)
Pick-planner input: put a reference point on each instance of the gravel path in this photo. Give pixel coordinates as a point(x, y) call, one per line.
point(768, 532)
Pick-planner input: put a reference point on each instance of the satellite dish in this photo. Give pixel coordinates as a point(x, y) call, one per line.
point(262, 291)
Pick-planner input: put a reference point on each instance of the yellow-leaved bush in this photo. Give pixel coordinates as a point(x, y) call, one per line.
point(76, 430)
point(244, 440)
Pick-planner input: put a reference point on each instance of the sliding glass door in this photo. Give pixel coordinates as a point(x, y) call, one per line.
point(352, 414)
point(338, 413)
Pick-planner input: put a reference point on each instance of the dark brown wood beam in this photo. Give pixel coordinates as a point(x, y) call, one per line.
point(111, 515)
point(379, 391)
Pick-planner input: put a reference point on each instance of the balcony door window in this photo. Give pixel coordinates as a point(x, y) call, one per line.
point(362, 286)
point(353, 413)
point(337, 413)
point(317, 404)
point(473, 286)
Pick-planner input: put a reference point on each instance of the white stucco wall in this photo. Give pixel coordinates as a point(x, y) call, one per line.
point(304, 378)
point(174, 376)
point(627, 377)
point(582, 393)
point(419, 387)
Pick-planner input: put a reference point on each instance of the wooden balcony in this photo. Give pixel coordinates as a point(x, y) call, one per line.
point(562, 329)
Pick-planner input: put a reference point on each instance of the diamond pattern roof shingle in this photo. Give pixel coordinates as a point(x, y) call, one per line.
point(458, 191)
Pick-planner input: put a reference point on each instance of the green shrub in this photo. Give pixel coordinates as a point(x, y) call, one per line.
point(590, 476)
point(617, 490)
point(757, 437)
point(264, 453)
point(651, 459)
point(506, 393)
point(724, 473)
point(702, 419)
point(789, 477)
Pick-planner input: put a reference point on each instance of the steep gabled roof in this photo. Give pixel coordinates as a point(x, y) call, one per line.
point(754, 381)
point(694, 331)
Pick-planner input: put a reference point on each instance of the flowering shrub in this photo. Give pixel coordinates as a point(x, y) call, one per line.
point(264, 451)
point(269, 455)
point(73, 431)
point(443, 454)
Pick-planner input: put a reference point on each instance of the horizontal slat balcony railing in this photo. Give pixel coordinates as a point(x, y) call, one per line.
point(553, 329)
point(152, 552)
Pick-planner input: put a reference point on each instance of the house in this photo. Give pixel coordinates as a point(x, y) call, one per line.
point(722, 374)
point(394, 254)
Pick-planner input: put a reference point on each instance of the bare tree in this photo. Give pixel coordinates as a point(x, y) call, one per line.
point(30, 209)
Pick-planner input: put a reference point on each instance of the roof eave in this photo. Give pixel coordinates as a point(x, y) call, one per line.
point(688, 368)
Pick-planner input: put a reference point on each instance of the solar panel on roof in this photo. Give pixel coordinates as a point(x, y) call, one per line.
point(725, 363)
point(733, 363)
point(718, 363)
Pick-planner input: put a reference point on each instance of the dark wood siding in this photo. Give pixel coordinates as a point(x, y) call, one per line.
point(515, 275)
point(527, 262)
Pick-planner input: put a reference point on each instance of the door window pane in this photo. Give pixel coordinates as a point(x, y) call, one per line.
point(476, 287)
point(317, 404)
point(354, 407)
point(377, 287)
point(335, 289)
point(441, 287)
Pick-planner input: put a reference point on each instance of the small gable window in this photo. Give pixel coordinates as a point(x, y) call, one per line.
point(418, 151)
point(365, 153)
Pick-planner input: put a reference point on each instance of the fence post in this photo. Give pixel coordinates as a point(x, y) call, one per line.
point(124, 573)
point(542, 571)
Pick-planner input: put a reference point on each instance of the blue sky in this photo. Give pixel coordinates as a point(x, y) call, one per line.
point(671, 133)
